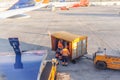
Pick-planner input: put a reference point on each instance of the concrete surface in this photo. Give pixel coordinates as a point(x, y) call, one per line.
point(100, 24)
point(110, 3)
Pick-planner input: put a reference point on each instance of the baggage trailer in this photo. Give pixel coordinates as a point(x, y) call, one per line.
point(77, 44)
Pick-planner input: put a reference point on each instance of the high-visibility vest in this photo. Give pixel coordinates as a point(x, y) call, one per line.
point(65, 52)
point(60, 45)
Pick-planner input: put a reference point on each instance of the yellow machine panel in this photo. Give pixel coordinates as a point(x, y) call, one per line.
point(49, 71)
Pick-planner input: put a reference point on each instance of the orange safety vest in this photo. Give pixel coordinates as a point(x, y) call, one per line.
point(65, 52)
point(60, 45)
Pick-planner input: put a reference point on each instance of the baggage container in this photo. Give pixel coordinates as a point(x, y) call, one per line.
point(77, 44)
point(63, 76)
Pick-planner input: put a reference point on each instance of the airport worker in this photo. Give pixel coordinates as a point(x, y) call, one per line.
point(65, 54)
point(59, 49)
point(60, 44)
point(57, 53)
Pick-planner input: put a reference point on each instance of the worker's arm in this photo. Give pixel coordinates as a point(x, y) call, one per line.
point(61, 51)
point(68, 52)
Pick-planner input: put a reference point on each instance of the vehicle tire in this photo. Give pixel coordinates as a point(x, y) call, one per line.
point(73, 61)
point(101, 65)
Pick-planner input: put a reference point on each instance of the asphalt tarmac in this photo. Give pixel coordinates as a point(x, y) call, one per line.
point(100, 23)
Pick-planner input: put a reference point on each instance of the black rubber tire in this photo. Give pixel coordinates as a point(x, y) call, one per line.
point(73, 61)
point(101, 65)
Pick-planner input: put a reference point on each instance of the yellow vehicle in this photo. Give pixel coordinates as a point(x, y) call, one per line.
point(107, 59)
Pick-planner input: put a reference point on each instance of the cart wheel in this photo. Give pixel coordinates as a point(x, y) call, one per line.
point(101, 65)
point(73, 61)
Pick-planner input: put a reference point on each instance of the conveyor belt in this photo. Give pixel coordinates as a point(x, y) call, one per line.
point(46, 71)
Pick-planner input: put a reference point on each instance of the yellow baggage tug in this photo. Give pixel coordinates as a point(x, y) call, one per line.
point(107, 59)
point(77, 44)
